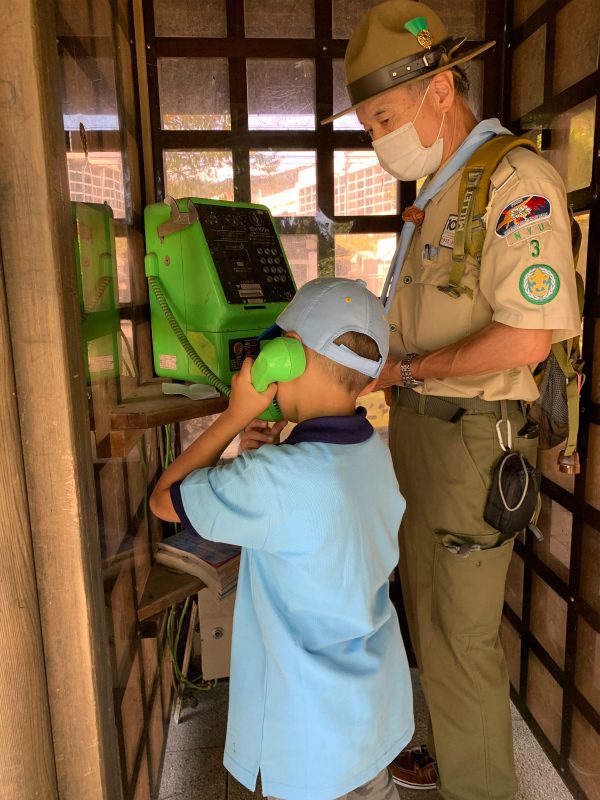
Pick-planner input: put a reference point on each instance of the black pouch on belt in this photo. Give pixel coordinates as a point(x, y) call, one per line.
point(512, 499)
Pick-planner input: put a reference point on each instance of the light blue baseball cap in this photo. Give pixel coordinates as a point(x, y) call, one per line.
point(325, 308)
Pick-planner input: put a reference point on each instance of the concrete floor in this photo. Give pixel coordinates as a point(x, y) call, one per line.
point(193, 768)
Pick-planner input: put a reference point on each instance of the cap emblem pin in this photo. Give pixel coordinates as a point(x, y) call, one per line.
point(418, 28)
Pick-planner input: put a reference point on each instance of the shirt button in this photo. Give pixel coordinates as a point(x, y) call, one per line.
point(407, 279)
point(393, 328)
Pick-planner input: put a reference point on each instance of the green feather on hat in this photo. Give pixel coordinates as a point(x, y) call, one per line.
point(418, 28)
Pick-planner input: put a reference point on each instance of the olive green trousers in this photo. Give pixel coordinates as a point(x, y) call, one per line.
point(454, 602)
point(381, 787)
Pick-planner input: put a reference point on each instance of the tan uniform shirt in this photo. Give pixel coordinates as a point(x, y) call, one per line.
point(526, 280)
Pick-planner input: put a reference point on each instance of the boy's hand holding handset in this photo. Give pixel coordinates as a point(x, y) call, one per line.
point(281, 359)
point(245, 402)
point(255, 386)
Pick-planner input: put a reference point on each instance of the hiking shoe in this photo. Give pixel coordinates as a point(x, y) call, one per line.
point(414, 768)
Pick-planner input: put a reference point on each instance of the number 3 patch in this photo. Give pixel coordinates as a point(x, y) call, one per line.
point(539, 284)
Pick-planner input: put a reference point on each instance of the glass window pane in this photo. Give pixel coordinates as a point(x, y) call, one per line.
point(524, 9)
point(97, 179)
point(544, 699)
point(548, 619)
point(528, 73)
point(81, 19)
point(199, 173)
point(583, 220)
point(576, 55)
point(590, 574)
point(183, 18)
point(302, 256)
point(89, 93)
point(596, 365)
point(281, 94)
point(587, 663)
point(123, 276)
point(461, 19)
point(514, 585)
point(556, 524)
point(349, 122)
point(584, 758)
point(547, 464)
point(347, 14)
point(279, 19)
point(194, 93)
point(464, 19)
point(474, 72)
point(128, 367)
point(285, 181)
point(572, 149)
point(592, 476)
point(361, 186)
point(366, 256)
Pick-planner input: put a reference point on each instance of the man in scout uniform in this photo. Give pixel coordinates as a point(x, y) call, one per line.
point(463, 342)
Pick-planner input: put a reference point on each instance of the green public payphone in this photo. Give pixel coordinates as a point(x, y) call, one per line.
point(218, 278)
point(95, 255)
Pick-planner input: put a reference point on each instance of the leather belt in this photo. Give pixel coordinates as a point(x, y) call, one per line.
point(450, 409)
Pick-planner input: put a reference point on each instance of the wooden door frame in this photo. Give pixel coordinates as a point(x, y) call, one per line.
point(54, 462)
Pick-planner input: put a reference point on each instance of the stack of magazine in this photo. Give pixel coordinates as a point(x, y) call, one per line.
point(215, 563)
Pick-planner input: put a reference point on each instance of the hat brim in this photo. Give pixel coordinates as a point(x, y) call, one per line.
point(453, 63)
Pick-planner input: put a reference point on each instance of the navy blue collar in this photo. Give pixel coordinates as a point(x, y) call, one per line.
point(333, 430)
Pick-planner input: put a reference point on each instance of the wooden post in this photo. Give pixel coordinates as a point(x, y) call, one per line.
point(41, 299)
point(26, 754)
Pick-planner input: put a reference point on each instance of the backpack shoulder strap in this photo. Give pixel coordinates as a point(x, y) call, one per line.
point(473, 200)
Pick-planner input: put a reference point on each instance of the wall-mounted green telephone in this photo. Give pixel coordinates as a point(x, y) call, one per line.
point(95, 254)
point(218, 277)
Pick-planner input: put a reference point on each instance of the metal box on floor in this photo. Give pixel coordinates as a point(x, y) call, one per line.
point(213, 642)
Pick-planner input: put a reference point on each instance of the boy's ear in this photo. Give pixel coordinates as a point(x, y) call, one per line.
point(370, 387)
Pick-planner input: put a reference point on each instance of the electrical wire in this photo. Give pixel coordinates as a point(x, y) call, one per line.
point(181, 681)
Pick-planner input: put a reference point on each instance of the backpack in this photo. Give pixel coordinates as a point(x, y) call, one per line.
point(559, 377)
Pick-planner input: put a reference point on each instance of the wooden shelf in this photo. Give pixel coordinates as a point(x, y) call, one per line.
point(165, 587)
point(148, 407)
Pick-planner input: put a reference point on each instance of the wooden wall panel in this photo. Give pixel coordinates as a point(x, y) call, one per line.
point(555, 93)
point(140, 668)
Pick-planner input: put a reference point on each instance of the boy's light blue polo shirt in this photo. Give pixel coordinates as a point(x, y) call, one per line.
point(320, 694)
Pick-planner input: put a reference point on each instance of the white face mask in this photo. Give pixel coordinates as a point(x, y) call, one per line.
point(402, 155)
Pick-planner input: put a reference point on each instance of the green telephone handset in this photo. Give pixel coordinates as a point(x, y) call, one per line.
point(280, 360)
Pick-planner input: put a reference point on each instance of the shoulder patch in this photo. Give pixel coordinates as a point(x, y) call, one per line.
point(522, 212)
point(539, 284)
point(528, 232)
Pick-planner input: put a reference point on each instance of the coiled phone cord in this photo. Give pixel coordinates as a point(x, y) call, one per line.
point(184, 341)
point(187, 345)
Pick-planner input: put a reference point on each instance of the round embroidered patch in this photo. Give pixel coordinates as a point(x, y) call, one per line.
point(539, 284)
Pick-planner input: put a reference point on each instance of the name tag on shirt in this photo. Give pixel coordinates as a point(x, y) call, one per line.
point(447, 237)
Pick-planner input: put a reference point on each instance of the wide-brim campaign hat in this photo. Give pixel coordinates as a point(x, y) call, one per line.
point(396, 43)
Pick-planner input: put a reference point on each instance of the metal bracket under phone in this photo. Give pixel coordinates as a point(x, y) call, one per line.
point(179, 219)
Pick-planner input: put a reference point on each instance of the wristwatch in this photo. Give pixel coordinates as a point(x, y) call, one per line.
point(407, 379)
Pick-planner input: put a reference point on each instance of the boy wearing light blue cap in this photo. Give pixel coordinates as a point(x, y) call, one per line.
point(320, 696)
